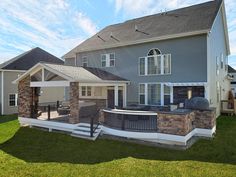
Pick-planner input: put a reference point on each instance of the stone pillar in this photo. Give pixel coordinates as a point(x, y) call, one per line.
point(74, 103)
point(25, 98)
point(205, 119)
point(174, 123)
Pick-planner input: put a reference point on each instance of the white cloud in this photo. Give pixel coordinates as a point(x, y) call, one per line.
point(48, 24)
point(85, 23)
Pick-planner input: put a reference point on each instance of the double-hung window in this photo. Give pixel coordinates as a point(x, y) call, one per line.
point(86, 91)
point(154, 94)
point(142, 93)
point(85, 62)
point(108, 60)
point(155, 65)
point(13, 99)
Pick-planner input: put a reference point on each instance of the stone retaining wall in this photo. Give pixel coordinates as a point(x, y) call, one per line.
point(182, 124)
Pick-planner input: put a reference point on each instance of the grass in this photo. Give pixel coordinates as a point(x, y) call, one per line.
point(32, 152)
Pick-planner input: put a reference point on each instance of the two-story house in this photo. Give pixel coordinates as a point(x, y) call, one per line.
point(167, 57)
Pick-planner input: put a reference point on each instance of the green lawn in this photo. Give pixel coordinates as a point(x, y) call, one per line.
point(31, 152)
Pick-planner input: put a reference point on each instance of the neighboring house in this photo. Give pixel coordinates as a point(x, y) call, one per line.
point(167, 57)
point(232, 72)
point(12, 69)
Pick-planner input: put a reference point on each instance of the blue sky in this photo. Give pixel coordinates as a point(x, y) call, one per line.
point(59, 25)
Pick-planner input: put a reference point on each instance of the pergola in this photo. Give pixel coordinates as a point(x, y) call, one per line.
point(54, 75)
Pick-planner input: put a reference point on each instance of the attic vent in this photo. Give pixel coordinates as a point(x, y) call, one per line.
point(101, 38)
point(137, 30)
point(111, 35)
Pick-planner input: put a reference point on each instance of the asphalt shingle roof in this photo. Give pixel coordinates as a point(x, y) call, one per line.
point(82, 74)
point(28, 59)
point(189, 19)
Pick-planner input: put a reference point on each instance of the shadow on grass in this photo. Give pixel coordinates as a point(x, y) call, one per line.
point(33, 145)
point(7, 118)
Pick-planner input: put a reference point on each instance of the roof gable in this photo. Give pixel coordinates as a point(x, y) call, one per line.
point(189, 20)
point(28, 59)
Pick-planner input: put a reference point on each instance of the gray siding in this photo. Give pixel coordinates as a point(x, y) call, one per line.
point(188, 62)
point(216, 47)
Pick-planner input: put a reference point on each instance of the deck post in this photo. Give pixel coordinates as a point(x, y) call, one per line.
point(49, 110)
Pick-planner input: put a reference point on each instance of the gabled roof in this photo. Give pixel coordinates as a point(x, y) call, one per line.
point(231, 69)
point(75, 74)
point(28, 59)
point(196, 19)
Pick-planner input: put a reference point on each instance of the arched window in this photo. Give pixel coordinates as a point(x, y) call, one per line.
point(154, 52)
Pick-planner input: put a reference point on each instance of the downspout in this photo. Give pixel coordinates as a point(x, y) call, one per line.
point(2, 84)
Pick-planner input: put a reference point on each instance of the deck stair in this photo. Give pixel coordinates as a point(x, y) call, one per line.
point(83, 131)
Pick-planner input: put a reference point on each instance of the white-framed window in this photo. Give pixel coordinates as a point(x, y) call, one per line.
point(154, 94)
point(108, 60)
point(86, 91)
point(141, 93)
point(13, 99)
point(217, 66)
point(155, 65)
point(84, 61)
point(222, 61)
point(226, 63)
point(218, 91)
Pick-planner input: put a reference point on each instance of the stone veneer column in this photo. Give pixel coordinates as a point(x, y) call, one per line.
point(25, 98)
point(205, 119)
point(74, 103)
point(175, 123)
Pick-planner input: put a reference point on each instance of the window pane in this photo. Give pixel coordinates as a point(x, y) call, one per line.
point(112, 62)
point(142, 99)
point(89, 91)
point(142, 66)
point(166, 90)
point(141, 88)
point(167, 60)
point(12, 100)
point(112, 56)
point(83, 91)
point(151, 65)
point(154, 94)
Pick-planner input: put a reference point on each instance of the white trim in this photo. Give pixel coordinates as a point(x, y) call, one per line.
point(141, 41)
point(39, 66)
point(16, 95)
point(146, 93)
point(130, 112)
point(116, 100)
point(171, 94)
point(103, 83)
point(186, 84)
point(50, 84)
point(124, 95)
point(154, 49)
point(152, 137)
point(43, 75)
point(160, 137)
point(162, 94)
point(9, 70)
point(2, 112)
